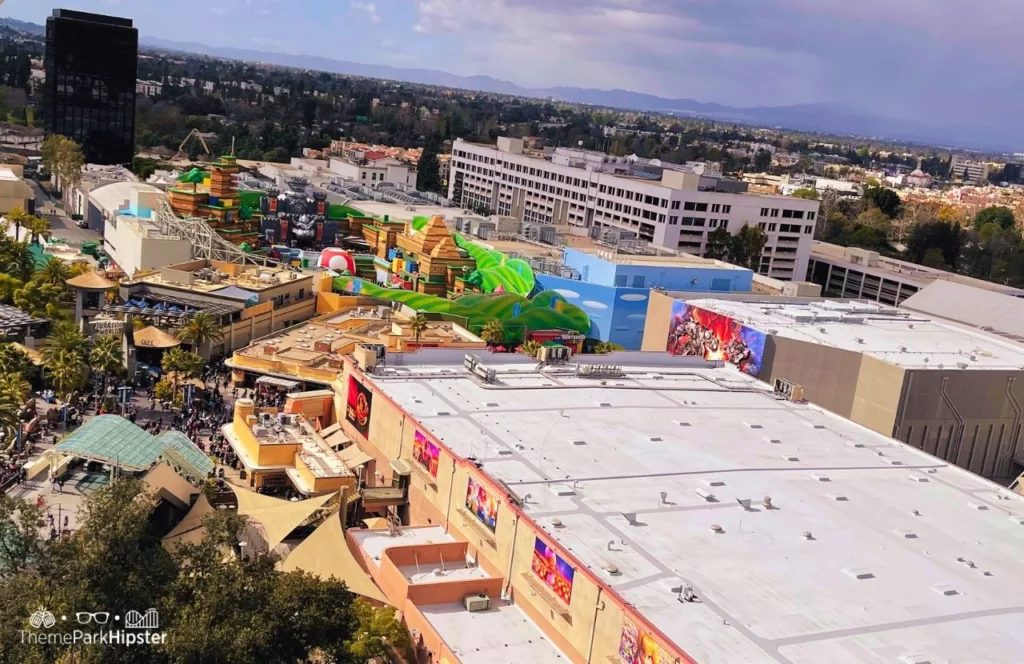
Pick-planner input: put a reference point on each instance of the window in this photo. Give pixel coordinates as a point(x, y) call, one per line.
point(764, 212)
point(725, 223)
point(638, 281)
point(673, 221)
point(775, 212)
point(702, 207)
point(675, 205)
point(689, 205)
point(716, 207)
point(808, 230)
point(810, 216)
point(771, 227)
point(726, 209)
point(620, 280)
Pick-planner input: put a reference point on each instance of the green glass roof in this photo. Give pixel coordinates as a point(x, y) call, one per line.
point(113, 439)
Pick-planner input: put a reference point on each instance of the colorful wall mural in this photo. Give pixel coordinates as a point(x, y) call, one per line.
point(638, 647)
point(552, 570)
point(696, 332)
point(482, 505)
point(359, 406)
point(545, 311)
point(425, 453)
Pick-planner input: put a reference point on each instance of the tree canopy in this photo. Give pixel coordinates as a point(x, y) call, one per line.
point(995, 214)
point(213, 605)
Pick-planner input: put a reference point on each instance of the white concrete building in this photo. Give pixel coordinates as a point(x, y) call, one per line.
point(130, 236)
point(961, 168)
point(372, 168)
point(585, 190)
point(149, 88)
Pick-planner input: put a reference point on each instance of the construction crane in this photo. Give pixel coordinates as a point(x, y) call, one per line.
point(194, 133)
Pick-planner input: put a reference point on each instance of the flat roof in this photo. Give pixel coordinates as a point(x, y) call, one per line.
point(399, 211)
point(500, 635)
point(904, 271)
point(904, 338)
point(869, 550)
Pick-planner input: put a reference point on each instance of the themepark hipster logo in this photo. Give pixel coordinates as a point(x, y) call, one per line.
point(138, 628)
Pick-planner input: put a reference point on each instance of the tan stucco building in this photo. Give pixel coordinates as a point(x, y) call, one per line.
point(955, 392)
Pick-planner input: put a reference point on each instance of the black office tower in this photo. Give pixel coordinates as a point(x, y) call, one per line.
point(91, 65)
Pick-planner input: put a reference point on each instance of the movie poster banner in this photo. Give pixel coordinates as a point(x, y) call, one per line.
point(638, 647)
point(360, 404)
point(696, 332)
point(552, 570)
point(425, 453)
point(482, 505)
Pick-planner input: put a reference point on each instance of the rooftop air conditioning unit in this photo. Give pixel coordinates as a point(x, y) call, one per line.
point(474, 603)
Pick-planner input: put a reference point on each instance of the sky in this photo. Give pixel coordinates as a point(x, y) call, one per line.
point(942, 61)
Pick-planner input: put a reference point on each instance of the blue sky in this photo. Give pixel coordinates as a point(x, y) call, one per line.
point(909, 59)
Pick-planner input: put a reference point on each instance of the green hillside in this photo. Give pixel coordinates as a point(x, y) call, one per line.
point(547, 311)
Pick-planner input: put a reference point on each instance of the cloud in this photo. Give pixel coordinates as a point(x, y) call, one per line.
point(369, 8)
point(912, 59)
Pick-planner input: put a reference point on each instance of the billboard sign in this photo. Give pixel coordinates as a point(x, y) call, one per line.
point(425, 453)
point(552, 570)
point(696, 332)
point(482, 505)
point(359, 406)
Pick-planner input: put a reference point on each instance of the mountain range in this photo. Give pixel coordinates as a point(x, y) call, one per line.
point(825, 118)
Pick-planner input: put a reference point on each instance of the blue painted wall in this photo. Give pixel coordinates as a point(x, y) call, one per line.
point(596, 270)
point(617, 313)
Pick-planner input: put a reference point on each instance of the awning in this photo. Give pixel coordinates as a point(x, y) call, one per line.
point(169, 485)
point(335, 439)
point(191, 528)
point(277, 517)
point(325, 553)
point(376, 523)
point(327, 431)
point(278, 382)
point(354, 457)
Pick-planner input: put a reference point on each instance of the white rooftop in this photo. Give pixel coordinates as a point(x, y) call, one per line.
point(501, 635)
point(897, 336)
point(870, 551)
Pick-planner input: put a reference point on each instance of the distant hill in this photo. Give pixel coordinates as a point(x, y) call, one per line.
point(822, 117)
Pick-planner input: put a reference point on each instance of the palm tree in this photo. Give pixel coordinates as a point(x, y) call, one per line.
point(106, 356)
point(67, 371)
point(10, 417)
point(16, 258)
point(8, 285)
point(54, 271)
point(493, 332)
point(14, 387)
point(418, 324)
point(530, 347)
point(65, 337)
point(201, 330)
point(182, 363)
point(38, 226)
point(14, 361)
point(79, 268)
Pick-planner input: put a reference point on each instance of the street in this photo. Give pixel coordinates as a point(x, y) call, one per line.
point(61, 225)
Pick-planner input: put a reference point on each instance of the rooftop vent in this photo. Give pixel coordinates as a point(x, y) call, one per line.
point(712, 482)
point(907, 534)
point(717, 529)
point(808, 535)
point(914, 477)
point(838, 497)
point(612, 570)
point(1019, 520)
point(859, 573)
point(754, 426)
point(706, 495)
point(946, 590)
point(442, 413)
point(820, 477)
point(491, 404)
point(961, 365)
point(786, 457)
point(680, 423)
point(978, 506)
point(654, 439)
point(557, 523)
point(859, 340)
point(895, 462)
point(579, 441)
point(604, 404)
point(774, 441)
point(903, 349)
point(820, 426)
point(822, 330)
point(766, 502)
point(914, 658)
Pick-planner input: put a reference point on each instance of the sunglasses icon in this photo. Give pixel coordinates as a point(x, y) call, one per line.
point(100, 618)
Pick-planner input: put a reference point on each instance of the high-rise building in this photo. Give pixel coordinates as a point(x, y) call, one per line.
point(89, 96)
point(968, 170)
point(669, 205)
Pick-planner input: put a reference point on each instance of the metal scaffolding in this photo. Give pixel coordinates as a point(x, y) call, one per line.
point(206, 242)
